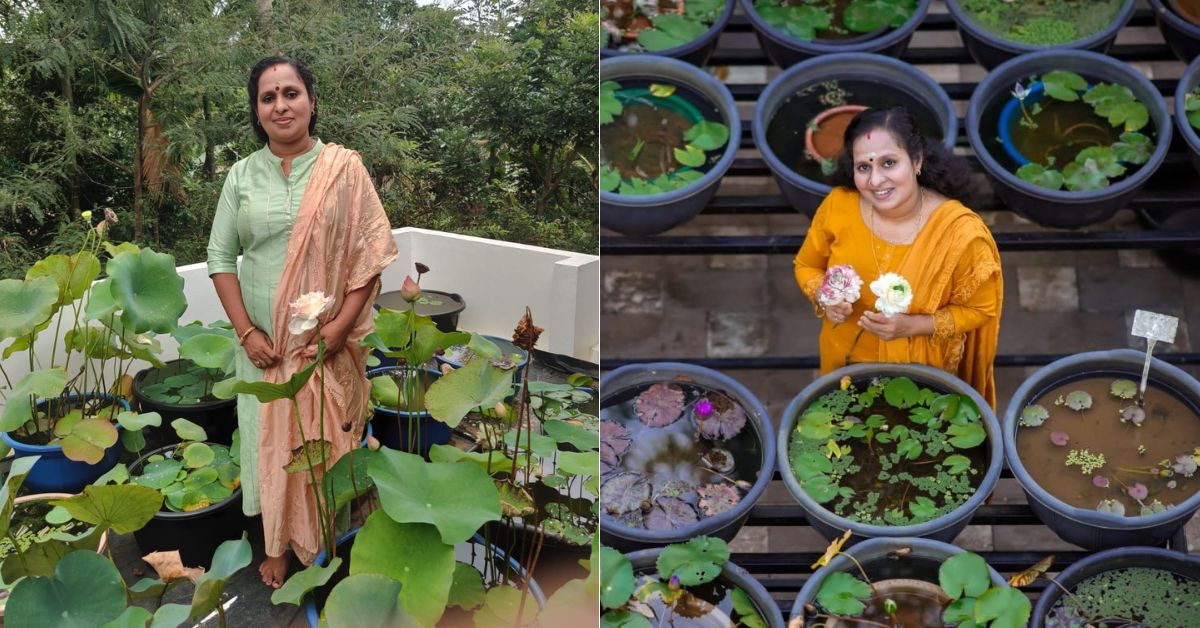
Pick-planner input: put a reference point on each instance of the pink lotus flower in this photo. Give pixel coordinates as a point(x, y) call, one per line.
point(305, 310)
point(410, 291)
point(841, 285)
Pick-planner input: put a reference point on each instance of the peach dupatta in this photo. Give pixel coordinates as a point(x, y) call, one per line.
point(341, 240)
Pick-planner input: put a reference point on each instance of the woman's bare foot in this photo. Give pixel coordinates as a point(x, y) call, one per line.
point(274, 569)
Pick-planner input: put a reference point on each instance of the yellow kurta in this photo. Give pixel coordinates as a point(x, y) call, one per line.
point(954, 269)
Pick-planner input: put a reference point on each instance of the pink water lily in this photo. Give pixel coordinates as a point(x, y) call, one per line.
point(841, 285)
point(306, 309)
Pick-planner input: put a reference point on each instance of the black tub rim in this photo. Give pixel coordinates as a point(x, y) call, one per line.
point(966, 23)
point(730, 571)
point(1065, 368)
point(1164, 14)
point(684, 49)
point(1187, 82)
point(141, 397)
point(891, 37)
point(1001, 78)
point(165, 514)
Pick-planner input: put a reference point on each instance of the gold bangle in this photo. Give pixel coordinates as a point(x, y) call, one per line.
point(245, 334)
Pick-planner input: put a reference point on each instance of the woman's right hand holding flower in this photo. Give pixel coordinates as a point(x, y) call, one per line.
point(838, 312)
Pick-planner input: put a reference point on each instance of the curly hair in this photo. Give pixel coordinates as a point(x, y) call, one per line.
point(252, 88)
point(941, 170)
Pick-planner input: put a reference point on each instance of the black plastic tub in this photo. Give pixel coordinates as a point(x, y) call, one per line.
point(990, 50)
point(784, 50)
point(392, 427)
point(647, 559)
point(195, 534)
point(1183, 37)
point(696, 51)
point(218, 417)
point(444, 314)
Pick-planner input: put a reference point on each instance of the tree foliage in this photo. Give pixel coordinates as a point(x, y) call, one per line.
point(478, 118)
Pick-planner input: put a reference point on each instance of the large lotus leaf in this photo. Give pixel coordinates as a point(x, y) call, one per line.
point(574, 604)
point(63, 597)
point(97, 343)
point(337, 483)
point(367, 600)
point(543, 446)
point(25, 304)
point(123, 508)
point(456, 498)
point(492, 461)
point(504, 606)
point(100, 303)
point(148, 290)
point(170, 615)
point(24, 342)
point(210, 351)
point(230, 557)
point(188, 430)
point(160, 473)
point(696, 562)
point(394, 333)
point(298, 586)
point(198, 479)
point(412, 554)
point(116, 248)
point(660, 405)
point(138, 420)
point(18, 408)
point(466, 591)
point(73, 275)
point(8, 492)
point(88, 439)
point(571, 463)
point(183, 333)
point(267, 392)
point(578, 437)
point(616, 578)
point(624, 492)
point(197, 455)
point(478, 383)
point(133, 617)
point(670, 513)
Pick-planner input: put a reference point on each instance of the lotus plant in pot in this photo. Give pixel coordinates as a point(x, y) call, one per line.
point(684, 582)
point(793, 30)
point(1068, 136)
point(894, 582)
point(684, 451)
point(889, 450)
point(673, 28)
point(1102, 465)
point(81, 339)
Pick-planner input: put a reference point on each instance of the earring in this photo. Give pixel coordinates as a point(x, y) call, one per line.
point(918, 172)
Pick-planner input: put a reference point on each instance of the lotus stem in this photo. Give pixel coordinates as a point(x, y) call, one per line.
point(853, 344)
point(312, 476)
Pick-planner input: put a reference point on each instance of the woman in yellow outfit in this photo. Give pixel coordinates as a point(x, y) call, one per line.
point(893, 211)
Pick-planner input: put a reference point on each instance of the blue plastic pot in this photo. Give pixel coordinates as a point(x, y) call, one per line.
point(1183, 37)
point(1090, 528)
point(646, 561)
point(805, 194)
point(54, 472)
point(1187, 83)
point(346, 541)
point(1178, 563)
point(696, 51)
point(990, 50)
point(1063, 208)
point(391, 427)
point(784, 50)
point(943, 528)
point(923, 550)
point(724, 525)
point(649, 214)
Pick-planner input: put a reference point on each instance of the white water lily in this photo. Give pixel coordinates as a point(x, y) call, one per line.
point(305, 310)
point(894, 292)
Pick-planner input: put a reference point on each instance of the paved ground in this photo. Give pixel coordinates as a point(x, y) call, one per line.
point(686, 306)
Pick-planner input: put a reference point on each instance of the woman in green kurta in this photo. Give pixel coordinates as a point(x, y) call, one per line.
point(255, 216)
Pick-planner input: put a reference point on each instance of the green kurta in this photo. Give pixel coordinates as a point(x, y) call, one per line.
point(254, 218)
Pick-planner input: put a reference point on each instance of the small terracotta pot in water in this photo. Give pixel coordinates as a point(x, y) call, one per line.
point(826, 141)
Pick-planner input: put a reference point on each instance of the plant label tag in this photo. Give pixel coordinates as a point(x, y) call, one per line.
point(1155, 327)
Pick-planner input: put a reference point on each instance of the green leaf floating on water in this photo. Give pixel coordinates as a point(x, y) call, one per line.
point(1005, 607)
point(689, 155)
point(843, 594)
point(616, 578)
point(901, 392)
point(610, 179)
point(1062, 85)
point(1123, 389)
point(696, 562)
point(1078, 400)
point(707, 135)
point(670, 30)
point(1134, 148)
point(964, 574)
point(864, 16)
point(966, 436)
point(610, 105)
point(799, 21)
point(956, 463)
point(1033, 415)
point(1041, 176)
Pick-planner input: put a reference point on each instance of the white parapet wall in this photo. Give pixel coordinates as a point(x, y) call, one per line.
point(496, 279)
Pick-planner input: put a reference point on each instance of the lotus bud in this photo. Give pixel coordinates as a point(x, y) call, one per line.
point(674, 582)
point(410, 291)
point(372, 443)
point(501, 409)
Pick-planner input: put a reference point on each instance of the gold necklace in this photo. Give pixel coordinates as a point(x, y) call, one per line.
point(890, 249)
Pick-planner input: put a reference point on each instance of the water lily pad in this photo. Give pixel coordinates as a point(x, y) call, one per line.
point(901, 392)
point(726, 419)
point(964, 574)
point(718, 459)
point(616, 578)
point(624, 492)
point(197, 455)
point(1152, 508)
point(1138, 491)
point(614, 441)
point(567, 531)
point(1078, 400)
point(1060, 438)
point(956, 463)
point(660, 405)
point(1111, 506)
point(966, 436)
point(198, 479)
point(843, 594)
point(1133, 414)
point(188, 430)
point(718, 498)
point(1123, 389)
point(669, 513)
point(696, 562)
point(1033, 415)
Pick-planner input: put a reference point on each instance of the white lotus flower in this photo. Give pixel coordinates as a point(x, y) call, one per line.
point(305, 310)
point(841, 285)
point(894, 292)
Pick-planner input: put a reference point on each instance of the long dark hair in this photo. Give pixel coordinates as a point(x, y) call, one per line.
point(941, 170)
point(252, 87)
